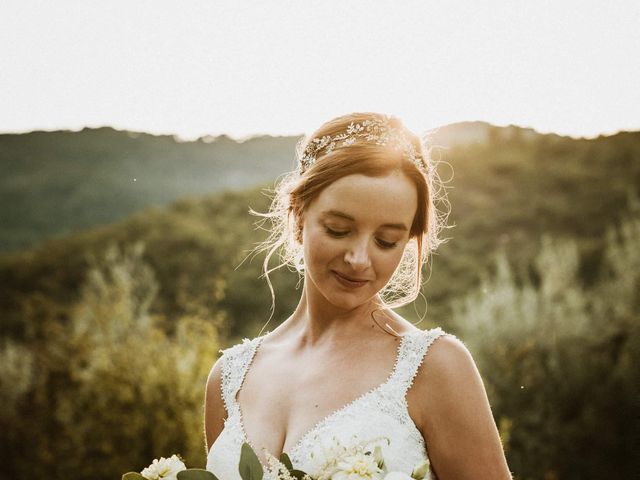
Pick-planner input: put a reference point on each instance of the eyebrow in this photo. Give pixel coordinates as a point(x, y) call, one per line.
point(337, 213)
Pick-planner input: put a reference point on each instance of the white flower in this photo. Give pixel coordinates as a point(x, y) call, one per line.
point(164, 468)
point(358, 466)
point(324, 457)
point(397, 476)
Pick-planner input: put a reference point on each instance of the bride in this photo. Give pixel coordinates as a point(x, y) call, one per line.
point(357, 218)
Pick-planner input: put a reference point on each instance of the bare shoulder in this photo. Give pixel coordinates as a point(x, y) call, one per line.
point(448, 358)
point(453, 414)
point(447, 380)
point(215, 412)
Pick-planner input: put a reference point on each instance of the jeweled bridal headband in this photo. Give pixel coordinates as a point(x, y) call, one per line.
point(375, 131)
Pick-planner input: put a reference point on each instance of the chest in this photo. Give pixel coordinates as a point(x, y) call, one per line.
point(284, 396)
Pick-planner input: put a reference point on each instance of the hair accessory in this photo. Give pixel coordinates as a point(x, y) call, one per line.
point(375, 131)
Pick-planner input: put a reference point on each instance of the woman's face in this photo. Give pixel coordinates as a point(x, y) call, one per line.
point(354, 234)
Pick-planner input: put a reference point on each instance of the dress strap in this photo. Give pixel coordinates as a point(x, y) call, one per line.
point(235, 363)
point(412, 355)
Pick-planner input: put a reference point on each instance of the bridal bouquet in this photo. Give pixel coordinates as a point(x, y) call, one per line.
point(336, 463)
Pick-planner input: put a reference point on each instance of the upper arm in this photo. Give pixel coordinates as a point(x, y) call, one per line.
point(455, 416)
point(215, 412)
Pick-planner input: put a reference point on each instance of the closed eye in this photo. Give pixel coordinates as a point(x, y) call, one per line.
point(335, 233)
point(388, 245)
point(340, 234)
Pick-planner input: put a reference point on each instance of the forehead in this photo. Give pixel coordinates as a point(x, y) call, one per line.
point(373, 200)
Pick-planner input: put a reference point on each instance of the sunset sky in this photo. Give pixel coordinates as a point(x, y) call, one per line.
point(242, 68)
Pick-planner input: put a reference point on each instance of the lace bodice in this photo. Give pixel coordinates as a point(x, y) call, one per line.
point(380, 412)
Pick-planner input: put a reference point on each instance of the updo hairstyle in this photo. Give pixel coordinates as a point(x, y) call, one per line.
point(295, 191)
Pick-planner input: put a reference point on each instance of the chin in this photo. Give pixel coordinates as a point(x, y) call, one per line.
point(349, 301)
point(346, 304)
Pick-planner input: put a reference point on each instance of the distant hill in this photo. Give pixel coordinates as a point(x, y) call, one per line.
point(505, 191)
point(55, 183)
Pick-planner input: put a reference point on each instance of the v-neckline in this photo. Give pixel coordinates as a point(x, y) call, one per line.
point(327, 417)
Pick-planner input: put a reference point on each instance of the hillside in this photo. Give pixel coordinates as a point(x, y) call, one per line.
point(505, 193)
point(55, 183)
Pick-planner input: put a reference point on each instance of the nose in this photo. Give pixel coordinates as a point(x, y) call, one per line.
point(357, 255)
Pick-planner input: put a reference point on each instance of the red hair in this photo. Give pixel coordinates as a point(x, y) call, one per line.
point(295, 192)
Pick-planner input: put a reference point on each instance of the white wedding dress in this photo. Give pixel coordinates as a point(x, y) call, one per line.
point(380, 412)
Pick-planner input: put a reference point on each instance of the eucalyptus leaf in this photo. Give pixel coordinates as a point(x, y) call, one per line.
point(286, 461)
point(132, 476)
point(250, 467)
point(298, 474)
point(196, 474)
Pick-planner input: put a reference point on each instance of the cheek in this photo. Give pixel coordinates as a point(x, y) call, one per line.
point(317, 250)
point(389, 264)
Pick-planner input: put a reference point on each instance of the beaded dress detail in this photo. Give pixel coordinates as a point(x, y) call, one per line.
point(380, 412)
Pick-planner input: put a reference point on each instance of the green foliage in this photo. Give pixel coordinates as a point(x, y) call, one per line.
point(506, 193)
point(286, 461)
point(16, 376)
point(250, 467)
point(196, 474)
point(559, 359)
point(194, 248)
point(111, 388)
point(132, 476)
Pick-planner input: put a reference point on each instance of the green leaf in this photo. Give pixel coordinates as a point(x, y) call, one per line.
point(132, 476)
point(298, 474)
point(196, 474)
point(250, 467)
point(286, 461)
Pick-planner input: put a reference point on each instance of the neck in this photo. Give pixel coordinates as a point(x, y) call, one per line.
point(316, 321)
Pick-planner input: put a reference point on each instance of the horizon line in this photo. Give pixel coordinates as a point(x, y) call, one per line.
point(210, 137)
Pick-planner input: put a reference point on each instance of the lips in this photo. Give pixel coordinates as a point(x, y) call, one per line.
point(349, 281)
